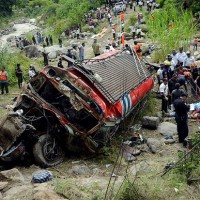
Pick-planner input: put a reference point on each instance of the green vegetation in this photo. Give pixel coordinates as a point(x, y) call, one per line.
point(9, 61)
point(189, 165)
point(170, 38)
point(59, 15)
point(131, 22)
point(193, 5)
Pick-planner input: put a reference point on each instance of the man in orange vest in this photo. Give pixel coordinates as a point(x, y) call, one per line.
point(122, 17)
point(123, 39)
point(4, 80)
point(137, 49)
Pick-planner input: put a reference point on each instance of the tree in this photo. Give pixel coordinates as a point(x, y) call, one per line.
point(6, 7)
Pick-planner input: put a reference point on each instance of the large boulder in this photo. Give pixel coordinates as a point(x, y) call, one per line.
point(12, 175)
point(10, 39)
point(52, 55)
point(143, 27)
point(18, 192)
point(3, 185)
point(32, 51)
point(80, 170)
point(47, 195)
point(154, 145)
point(150, 122)
point(166, 128)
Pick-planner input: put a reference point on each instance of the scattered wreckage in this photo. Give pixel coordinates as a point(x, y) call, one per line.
point(77, 108)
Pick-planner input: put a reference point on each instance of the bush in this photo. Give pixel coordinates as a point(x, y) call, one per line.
point(170, 38)
point(9, 61)
point(132, 20)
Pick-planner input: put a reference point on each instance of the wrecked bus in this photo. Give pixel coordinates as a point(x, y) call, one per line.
point(76, 108)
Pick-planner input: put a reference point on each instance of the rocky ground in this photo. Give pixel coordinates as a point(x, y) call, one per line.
point(81, 177)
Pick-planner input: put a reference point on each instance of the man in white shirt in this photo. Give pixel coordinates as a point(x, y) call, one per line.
point(181, 55)
point(174, 57)
point(160, 74)
point(163, 89)
point(188, 60)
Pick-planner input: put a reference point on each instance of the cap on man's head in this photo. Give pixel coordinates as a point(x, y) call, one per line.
point(174, 76)
point(188, 52)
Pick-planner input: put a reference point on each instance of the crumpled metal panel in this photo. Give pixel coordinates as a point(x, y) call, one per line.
point(120, 73)
point(11, 128)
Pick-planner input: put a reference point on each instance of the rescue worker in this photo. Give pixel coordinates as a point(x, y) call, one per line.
point(96, 48)
point(4, 80)
point(60, 65)
point(19, 75)
point(163, 89)
point(123, 40)
point(137, 49)
point(176, 93)
point(181, 118)
point(45, 55)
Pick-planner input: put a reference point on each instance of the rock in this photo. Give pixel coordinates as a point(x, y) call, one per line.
point(47, 195)
point(169, 141)
point(140, 40)
point(154, 144)
point(159, 114)
point(32, 51)
point(145, 48)
point(80, 170)
point(143, 27)
point(165, 153)
point(10, 39)
point(3, 185)
point(130, 152)
point(129, 157)
point(41, 22)
point(52, 55)
point(13, 175)
point(18, 192)
point(198, 57)
point(1, 196)
point(196, 53)
point(167, 128)
point(32, 21)
point(150, 122)
point(140, 167)
point(144, 148)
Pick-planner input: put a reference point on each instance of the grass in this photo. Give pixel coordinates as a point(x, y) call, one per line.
point(164, 37)
point(71, 189)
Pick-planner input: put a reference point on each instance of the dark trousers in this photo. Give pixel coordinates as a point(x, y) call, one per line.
point(164, 103)
point(19, 81)
point(182, 128)
point(133, 35)
point(45, 59)
point(195, 47)
point(97, 54)
point(4, 85)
